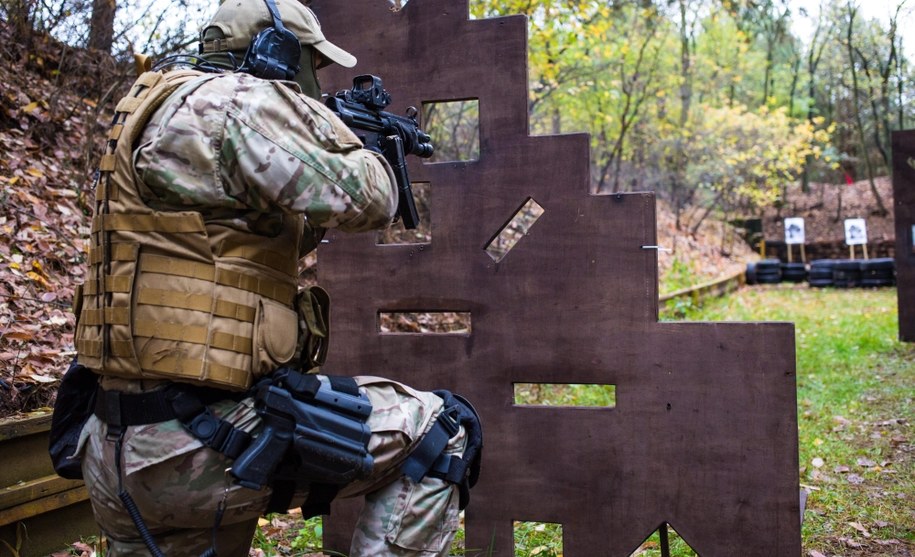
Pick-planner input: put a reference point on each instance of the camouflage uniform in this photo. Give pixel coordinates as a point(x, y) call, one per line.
point(241, 150)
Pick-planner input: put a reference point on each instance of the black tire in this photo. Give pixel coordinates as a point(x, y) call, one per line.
point(820, 272)
point(794, 272)
point(768, 278)
point(847, 273)
point(768, 266)
point(876, 283)
point(751, 273)
point(878, 272)
point(768, 271)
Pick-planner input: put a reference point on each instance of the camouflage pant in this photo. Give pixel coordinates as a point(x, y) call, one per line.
point(177, 484)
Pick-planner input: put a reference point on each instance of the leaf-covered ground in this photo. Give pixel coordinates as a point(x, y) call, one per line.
point(46, 118)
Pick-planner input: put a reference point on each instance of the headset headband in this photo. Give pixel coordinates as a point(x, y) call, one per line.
point(275, 13)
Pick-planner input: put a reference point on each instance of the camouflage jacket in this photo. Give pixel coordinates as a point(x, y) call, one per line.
point(236, 147)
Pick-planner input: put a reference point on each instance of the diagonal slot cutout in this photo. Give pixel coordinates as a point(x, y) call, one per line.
point(516, 228)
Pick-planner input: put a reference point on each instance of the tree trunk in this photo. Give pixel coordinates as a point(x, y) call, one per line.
point(101, 26)
point(686, 97)
point(857, 108)
point(20, 19)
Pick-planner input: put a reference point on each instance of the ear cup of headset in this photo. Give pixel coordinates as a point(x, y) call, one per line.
point(273, 54)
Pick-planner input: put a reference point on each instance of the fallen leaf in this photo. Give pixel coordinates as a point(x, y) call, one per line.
point(815, 553)
point(39, 279)
point(866, 462)
point(817, 462)
point(854, 479)
point(860, 527)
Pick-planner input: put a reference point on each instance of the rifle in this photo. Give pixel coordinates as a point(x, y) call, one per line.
point(362, 110)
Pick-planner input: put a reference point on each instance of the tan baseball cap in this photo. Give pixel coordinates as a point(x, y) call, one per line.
point(240, 20)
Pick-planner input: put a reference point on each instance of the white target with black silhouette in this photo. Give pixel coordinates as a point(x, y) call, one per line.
point(855, 232)
point(794, 231)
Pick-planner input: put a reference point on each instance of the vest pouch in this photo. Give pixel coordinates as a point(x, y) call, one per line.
point(276, 332)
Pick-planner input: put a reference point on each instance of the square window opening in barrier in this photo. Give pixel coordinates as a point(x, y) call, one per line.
point(455, 130)
point(565, 395)
point(396, 234)
point(543, 539)
point(425, 322)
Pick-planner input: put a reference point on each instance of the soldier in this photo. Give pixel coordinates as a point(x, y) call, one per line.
point(213, 185)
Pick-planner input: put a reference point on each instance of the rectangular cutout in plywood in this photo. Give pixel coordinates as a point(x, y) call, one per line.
point(424, 322)
point(565, 395)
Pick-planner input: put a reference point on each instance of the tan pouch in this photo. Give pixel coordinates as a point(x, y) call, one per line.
point(313, 305)
point(276, 336)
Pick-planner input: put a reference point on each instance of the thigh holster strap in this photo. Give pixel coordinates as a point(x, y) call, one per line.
point(429, 458)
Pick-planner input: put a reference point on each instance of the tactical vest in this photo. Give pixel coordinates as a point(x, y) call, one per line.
point(170, 295)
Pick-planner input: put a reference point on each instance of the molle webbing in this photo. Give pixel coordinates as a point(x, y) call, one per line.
point(163, 299)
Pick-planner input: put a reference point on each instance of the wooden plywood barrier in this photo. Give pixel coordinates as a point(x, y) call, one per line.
point(904, 205)
point(703, 430)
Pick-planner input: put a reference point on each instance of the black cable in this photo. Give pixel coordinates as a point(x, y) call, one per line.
point(129, 504)
point(195, 62)
point(134, 513)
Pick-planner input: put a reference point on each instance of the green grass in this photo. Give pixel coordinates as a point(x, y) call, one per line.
point(681, 274)
point(855, 410)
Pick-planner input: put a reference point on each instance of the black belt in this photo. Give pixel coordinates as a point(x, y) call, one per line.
point(185, 403)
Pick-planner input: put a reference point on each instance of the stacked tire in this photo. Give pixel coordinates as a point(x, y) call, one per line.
point(851, 273)
point(878, 272)
point(768, 271)
point(820, 274)
point(794, 272)
point(846, 273)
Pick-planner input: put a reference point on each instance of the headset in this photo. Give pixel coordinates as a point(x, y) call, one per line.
point(274, 52)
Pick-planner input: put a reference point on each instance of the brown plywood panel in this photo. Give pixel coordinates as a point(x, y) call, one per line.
point(904, 205)
point(704, 431)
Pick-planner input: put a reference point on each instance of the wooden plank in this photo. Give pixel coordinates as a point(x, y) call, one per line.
point(24, 457)
point(712, 289)
point(28, 425)
point(24, 492)
point(50, 532)
point(43, 505)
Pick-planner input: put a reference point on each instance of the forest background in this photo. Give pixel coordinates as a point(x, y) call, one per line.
point(725, 108)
